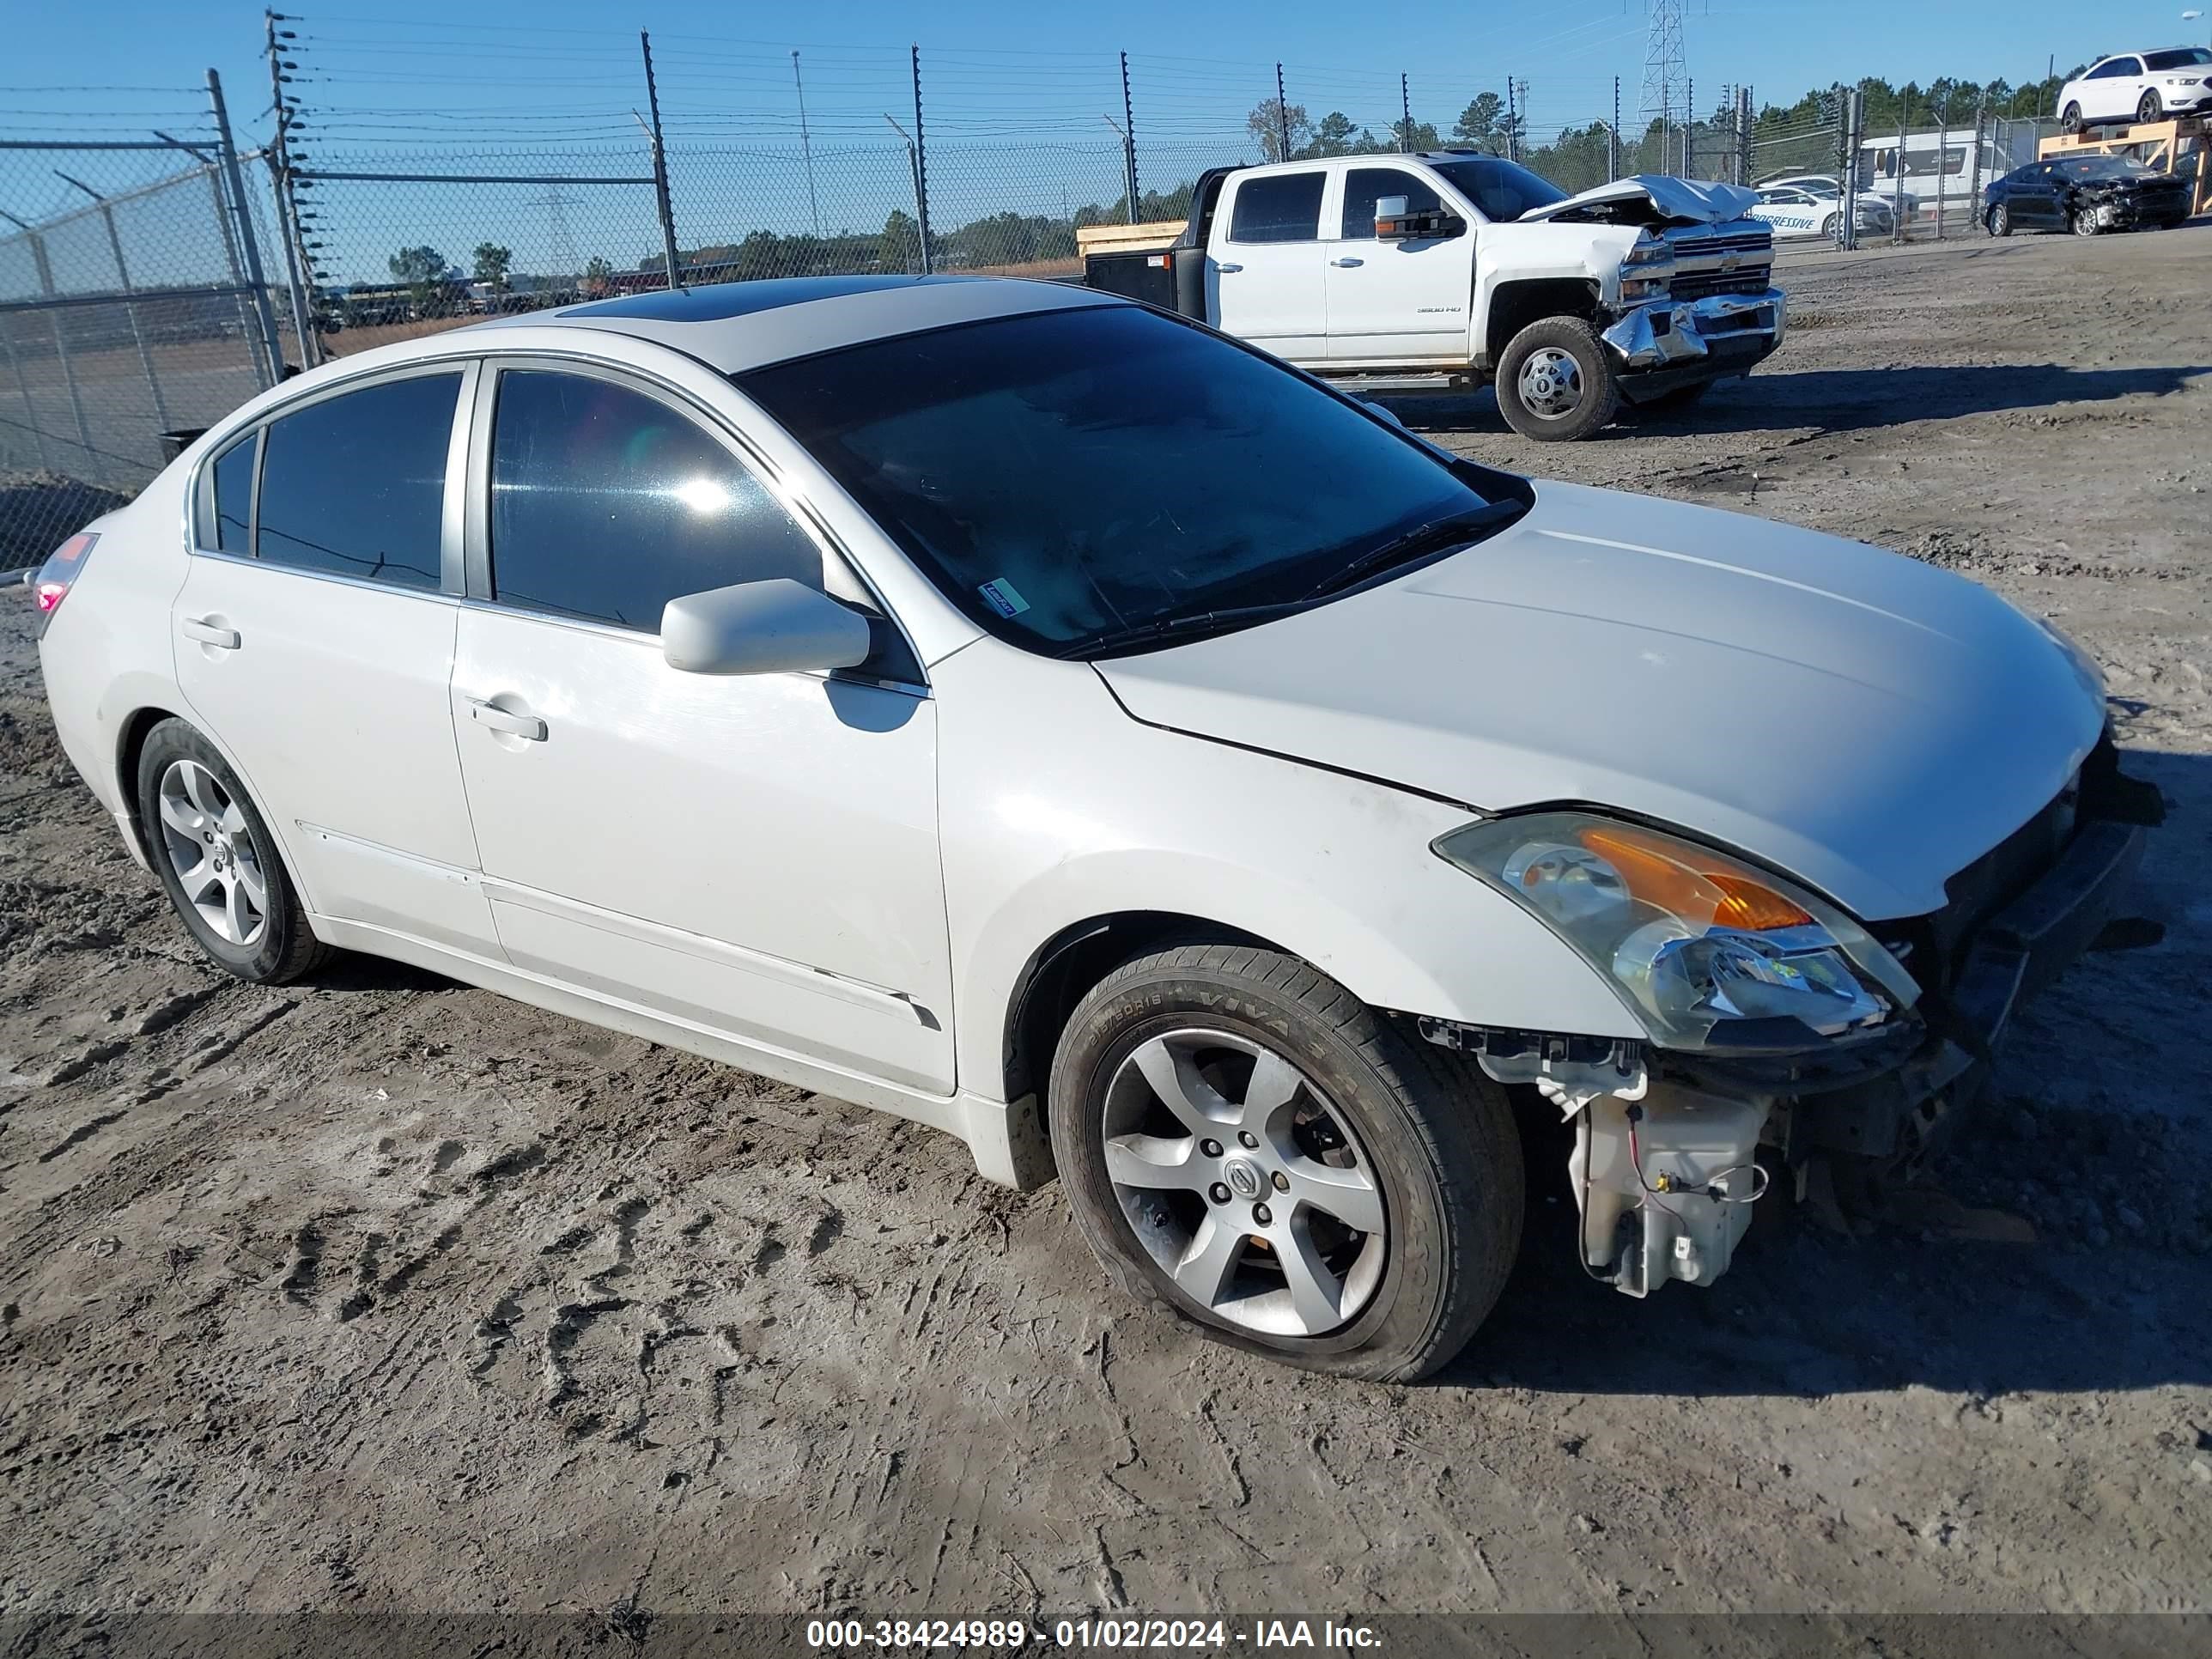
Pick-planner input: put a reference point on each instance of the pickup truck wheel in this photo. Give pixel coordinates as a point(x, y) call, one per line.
point(1248, 1146)
point(1554, 382)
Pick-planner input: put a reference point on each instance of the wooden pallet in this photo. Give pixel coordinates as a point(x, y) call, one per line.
point(1125, 238)
point(2181, 147)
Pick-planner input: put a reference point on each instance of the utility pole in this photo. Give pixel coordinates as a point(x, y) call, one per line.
point(1282, 119)
point(1129, 135)
point(288, 200)
point(1406, 118)
point(806, 146)
point(1512, 125)
point(666, 209)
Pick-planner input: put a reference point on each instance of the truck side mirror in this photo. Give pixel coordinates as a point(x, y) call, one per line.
point(1393, 223)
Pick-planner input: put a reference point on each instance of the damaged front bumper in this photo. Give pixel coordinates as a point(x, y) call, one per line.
point(1665, 1170)
point(1666, 343)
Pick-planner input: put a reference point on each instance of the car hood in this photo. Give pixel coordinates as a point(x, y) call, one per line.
point(1866, 723)
point(1685, 200)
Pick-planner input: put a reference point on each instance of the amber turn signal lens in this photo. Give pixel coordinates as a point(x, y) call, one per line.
point(1678, 879)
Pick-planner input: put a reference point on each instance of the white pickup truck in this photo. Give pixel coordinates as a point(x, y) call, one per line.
point(1444, 270)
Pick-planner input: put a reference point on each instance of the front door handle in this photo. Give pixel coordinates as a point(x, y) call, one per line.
point(1225, 270)
point(208, 634)
point(1346, 265)
point(528, 727)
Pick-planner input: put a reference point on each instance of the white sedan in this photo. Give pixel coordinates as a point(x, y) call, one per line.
point(1049, 720)
point(1794, 210)
point(2138, 86)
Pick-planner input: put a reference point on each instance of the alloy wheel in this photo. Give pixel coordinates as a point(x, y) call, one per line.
point(1551, 383)
point(212, 850)
point(1244, 1183)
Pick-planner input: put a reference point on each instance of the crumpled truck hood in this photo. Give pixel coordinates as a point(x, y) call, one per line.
point(1688, 200)
point(1868, 724)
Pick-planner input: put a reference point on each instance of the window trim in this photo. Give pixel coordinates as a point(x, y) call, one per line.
point(476, 591)
point(205, 533)
point(1321, 206)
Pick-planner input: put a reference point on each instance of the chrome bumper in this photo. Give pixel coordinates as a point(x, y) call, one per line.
point(1680, 333)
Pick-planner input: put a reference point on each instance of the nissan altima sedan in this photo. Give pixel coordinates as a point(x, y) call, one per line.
point(1048, 721)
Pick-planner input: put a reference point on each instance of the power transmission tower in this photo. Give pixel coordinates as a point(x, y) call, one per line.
point(1666, 75)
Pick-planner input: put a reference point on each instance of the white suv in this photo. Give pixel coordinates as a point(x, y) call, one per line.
point(2138, 86)
point(1047, 720)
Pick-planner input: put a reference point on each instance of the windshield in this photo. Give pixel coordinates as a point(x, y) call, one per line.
point(2185, 57)
point(1065, 476)
point(1503, 189)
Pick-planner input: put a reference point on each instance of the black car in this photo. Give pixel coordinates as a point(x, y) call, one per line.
point(2085, 194)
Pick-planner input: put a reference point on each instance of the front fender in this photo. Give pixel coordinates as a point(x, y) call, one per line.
point(1059, 807)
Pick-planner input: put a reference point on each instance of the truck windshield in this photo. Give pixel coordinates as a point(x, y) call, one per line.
point(1073, 477)
point(1503, 189)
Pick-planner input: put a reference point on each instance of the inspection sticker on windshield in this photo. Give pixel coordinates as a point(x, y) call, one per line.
point(1000, 596)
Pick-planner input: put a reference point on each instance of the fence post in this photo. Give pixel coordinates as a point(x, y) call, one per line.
point(1897, 177)
point(1512, 125)
point(288, 208)
point(1942, 147)
point(1129, 137)
point(23, 389)
point(1854, 104)
point(263, 311)
point(921, 170)
point(245, 330)
point(661, 203)
point(45, 270)
point(1613, 136)
point(1406, 118)
point(1974, 196)
point(1282, 118)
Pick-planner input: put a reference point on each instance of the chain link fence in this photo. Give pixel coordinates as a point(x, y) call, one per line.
point(134, 310)
point(148, 285)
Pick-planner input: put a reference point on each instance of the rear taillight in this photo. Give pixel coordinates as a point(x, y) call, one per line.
point(58, 574)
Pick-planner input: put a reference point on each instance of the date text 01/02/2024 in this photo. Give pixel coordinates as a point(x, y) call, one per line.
point(1117, 1634)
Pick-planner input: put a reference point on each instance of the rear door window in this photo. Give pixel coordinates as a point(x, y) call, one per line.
point(354, 485)
point(607, 502)
point(1283, 207)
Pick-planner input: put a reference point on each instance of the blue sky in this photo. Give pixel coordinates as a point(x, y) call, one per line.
point(560, 77)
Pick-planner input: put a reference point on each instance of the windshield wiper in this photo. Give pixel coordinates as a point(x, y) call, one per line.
point(1432, 537)
point(1189, 623)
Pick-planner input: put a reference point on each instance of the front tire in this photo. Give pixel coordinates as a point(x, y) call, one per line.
point(1999, 222)
point(217, 862)
point(1246, 1145)
point(1555, 383)
point(2084, 222)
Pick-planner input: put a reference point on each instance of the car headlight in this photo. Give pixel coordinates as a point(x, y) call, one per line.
point(1648, 249)
point(1707, 951)
point(1634, 290)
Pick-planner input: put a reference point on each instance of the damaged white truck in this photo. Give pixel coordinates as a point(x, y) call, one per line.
point(1439, 271)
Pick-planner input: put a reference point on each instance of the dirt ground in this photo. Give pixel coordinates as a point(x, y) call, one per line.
point(380, 1294)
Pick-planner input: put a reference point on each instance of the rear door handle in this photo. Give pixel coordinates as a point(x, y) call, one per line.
point(208, 634)
point(1225, 270)
point(1346, 265)
point(528, 727)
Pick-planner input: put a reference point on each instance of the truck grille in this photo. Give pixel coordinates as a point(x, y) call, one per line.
point(1759, 242)
point(1697, 284)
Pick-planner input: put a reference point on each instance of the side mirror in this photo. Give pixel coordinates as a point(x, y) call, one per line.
point(1393, 223)
point(773, 627)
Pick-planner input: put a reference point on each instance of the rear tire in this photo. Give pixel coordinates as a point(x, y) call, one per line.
point(1426, 1146)
point(218, 863)
point(1555, 383)
point(2070, 119)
